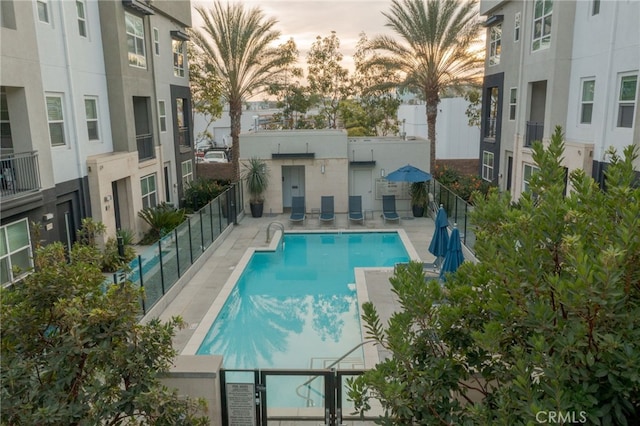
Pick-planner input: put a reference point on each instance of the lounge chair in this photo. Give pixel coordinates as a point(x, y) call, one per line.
point(326, 209)
point(355, 208)
point(389, 208)
point(297, 209)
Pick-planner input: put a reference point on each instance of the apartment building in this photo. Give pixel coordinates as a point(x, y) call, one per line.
point(95, 116)
point(572, 63)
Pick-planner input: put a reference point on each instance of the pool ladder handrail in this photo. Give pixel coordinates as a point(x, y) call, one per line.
point(279, 225)
point(330, 367)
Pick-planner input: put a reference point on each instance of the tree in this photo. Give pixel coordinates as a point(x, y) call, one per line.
point(286, 87)
point(206, 90)
point(434, 52)
point(237, 44)
point(73, 351)
point(547, 321)
point(326, 77)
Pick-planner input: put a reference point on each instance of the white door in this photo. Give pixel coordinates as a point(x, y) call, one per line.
point(363, 186)
point(292, 183)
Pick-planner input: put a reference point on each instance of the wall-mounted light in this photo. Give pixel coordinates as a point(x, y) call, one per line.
point(322, 168)
point(47, 217)
point(108, 198)
point(382, 172)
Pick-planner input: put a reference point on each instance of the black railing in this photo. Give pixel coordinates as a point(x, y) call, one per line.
point(183, 136)
point(146, 149)
point(160, 266)
point(457, 209)
point(534, 133)
point(19, 173)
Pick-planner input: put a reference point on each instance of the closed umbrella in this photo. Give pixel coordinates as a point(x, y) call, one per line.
point(454, 257)
point(440, 239)
point(409, 173)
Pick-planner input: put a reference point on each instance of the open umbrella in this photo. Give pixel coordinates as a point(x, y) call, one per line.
point(454, 257)
point(408, 173)
point(440, 239)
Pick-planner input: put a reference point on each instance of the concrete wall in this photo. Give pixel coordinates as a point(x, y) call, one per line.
point(198, 376)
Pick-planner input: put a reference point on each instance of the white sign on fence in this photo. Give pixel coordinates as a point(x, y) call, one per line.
point(241, 407)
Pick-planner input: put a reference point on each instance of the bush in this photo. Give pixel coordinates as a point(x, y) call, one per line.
point(163, 218)
point(111, 261)
point(128, 237)
point(201, 192)
point(462, 185)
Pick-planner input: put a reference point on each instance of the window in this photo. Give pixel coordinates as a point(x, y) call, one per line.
point(149, 191)
point(187, 172)
point(595, 7)
point(542, 24)
point(487, 165)
point(91, 111)
point(156, 41)
point(586, 103)
point(43, 11)
point(82, 19)
point(529, 171)
point(516, 28)
point(513, 100)
point(135, 40)
point(627, 100)
point(56, 120)
point(495, 44)
point(162, 115)
point(178, 58)
point(492, 113)
point(15, 251)
point(5, 122)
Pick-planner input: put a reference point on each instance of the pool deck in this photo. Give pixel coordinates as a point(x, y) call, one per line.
point(197, 296)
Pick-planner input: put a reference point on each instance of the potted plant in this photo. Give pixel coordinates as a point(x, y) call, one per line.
point(418, 193)
point(256, 174)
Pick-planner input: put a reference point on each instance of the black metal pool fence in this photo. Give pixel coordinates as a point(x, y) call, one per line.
point(160, 266)
point(457, 211)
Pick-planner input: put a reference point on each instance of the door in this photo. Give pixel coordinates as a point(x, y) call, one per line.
point(509, 168)
point(116, 205)
point(66, 224)
point(363, 186)
point(292, 184)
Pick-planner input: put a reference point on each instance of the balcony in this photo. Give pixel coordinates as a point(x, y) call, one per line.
point(146, 149)
point(183, 136)
point(534, 133)
point(19, 174)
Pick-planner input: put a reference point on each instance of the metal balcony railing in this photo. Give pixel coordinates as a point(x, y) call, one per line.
point(19, 174)
point(145, 147)
point(183, 136)
point(534, 133)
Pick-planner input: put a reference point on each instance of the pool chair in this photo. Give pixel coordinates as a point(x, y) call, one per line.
point(326, 209)
point(297, 209)
point(355, 208)
point(389, 208)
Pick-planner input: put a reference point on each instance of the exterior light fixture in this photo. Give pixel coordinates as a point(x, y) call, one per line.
point(382, 173)
point(322, 169)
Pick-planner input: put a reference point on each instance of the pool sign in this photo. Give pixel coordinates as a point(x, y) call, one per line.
point(241, 408)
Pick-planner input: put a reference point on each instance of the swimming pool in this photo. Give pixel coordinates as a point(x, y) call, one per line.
point(296, 306)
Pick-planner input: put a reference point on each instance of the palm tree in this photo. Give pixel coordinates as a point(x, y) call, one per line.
point(435, 51)
point(237, 47)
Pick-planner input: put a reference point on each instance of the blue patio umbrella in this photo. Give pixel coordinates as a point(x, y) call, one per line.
point(408, 173)
point(440, 239)
point(454, 257)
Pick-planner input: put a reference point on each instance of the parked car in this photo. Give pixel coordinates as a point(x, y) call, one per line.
point(215, 157)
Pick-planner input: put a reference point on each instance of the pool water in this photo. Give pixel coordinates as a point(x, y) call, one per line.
point(296, 307)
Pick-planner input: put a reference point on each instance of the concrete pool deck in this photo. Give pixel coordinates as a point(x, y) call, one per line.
point(196, 297)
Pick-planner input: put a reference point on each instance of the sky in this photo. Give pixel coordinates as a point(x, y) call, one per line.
point(304, 20)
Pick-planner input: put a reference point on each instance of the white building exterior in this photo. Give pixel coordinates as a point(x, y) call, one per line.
point(573, 64)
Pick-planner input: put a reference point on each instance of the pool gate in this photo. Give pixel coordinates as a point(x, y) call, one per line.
point(270, 396)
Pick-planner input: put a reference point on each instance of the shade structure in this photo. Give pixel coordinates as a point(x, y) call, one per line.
point(454, 256)
point(409, 173)
point(440, 239)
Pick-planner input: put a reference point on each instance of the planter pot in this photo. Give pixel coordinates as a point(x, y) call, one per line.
point(418, 211)
point(256, 209)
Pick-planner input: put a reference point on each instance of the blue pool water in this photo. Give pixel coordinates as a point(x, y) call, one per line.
point(296, 307)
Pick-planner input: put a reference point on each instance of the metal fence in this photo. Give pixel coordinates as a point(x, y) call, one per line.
point(457, 211)
point(160, 266)
point(19, 173)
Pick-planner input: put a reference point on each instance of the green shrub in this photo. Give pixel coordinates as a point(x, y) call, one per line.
point(128, 237)
point(111, 261)
point(162, 219)
point(463, 186)
point(201, 192)
point(89, 231)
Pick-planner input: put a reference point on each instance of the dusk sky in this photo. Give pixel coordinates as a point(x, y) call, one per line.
point(304, 20)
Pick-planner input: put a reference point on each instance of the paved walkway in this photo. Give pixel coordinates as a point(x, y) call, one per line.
point(198, 295)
